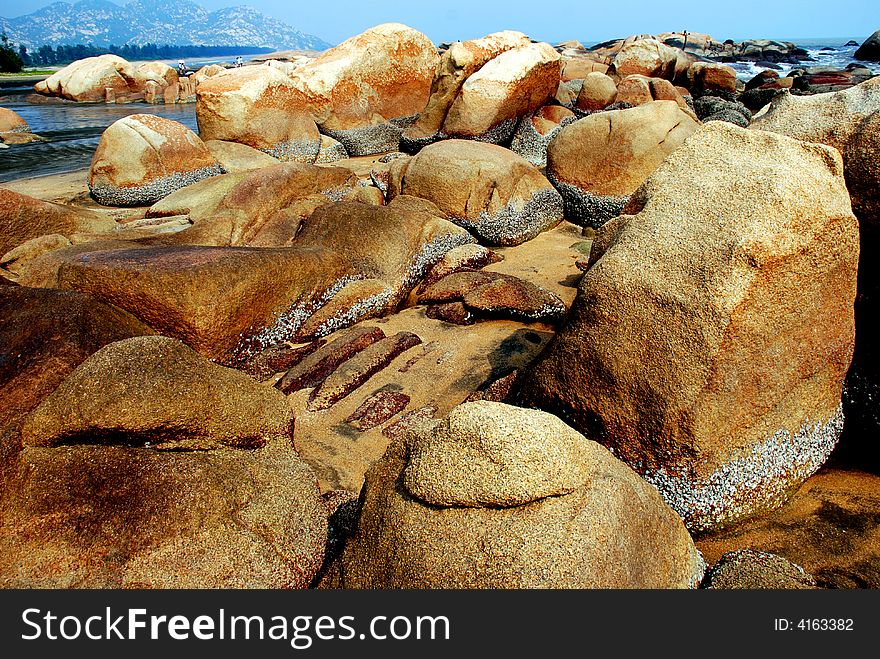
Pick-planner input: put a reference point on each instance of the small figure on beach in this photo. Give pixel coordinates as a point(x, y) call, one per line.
point(239, 62)
point(182, 69)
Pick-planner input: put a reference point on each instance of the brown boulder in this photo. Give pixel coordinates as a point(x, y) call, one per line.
point(457, 64)
point(489, 190)
point(597, 92)
point(87, 516)
point(711, 335)
point(261, 207)
point(514, 84)
point(23, 218)
point(143, 158)
point(496, 496)
point(647, 57)
point(11, 122)
point(234, 157)
point(45, 334)
point(366, 90)
point(225, 302)
point(257, 106)
point(156, 391)
point(711, 76)
point(89, 79)
point(598, 161)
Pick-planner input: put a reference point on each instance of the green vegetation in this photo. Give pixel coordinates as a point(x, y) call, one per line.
point(10, 61)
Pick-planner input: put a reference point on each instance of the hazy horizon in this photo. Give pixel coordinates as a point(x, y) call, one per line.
point(456, 19)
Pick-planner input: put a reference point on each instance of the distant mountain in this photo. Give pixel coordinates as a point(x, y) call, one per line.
point(178, 22)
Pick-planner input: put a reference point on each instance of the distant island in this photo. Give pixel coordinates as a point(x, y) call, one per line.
point(104, 24)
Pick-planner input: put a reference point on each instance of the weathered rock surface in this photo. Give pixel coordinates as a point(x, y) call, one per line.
point(598, 161)
point(45, 334)
point(225, 302)
point(366, 90)
point(156, 391)
point(262, 207)
point(457, 64)
point(500, 497)
point(88, 79)
point(11, 122)
point(234, 157)
point(597, 93)
point(23, 218)
point(750, 570)
point(533, 133)
point(492, 192)
point(846, 120)
point(711, 334)
point(86, 516)
point(143, 158)
point(257, 106)
point(514, 84)
point(496, 295)
point(647, 57)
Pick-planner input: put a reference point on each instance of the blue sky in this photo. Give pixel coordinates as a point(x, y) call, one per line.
point(447, 20)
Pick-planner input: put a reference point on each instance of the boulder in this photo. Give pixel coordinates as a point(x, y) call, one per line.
point(156, 391)
point(489, 190)
point(647, 57)
point(870, 50)
point(514, 84)
point(711, 76)
point(45, 334)
point(234, 157)
point(748, 569)
point(87, 80)
point(143, 158)
point(597, 93)
point(711, 334)
point(403, 243)
point(716, 108)
point(254, 207)
point(257, 106)
point(495, 496)
point(496, 295)
point(845, 120)
point(11, 122)
point(598, 161)
point(225, 302)
point(115, 516)
point(23, 218)
point(366, 90)
point(533, 133)
point(156, 72)
point(20, 259)
point(461, 60)
point(637, 90)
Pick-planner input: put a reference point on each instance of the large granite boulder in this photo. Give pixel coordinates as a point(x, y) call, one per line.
point(254, 207)
point(156, 391)
point(870, 49)
point(23, 218)
point(494, 193)
point(396, 244)
point(366, 90)
point(457, 64)
point(225, 302)
point(598, 161)
point(597, 93)
point(647, 57)
point(12, 122)
point(142, 158)
point(711, 334)
point(150, 467)
point(495, 496)
point(257, 106)
point(514, 84)
point(45, 334)
point(88, 79)
point(848, 121)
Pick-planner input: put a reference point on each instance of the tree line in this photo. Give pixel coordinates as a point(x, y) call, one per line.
point(14, 59)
